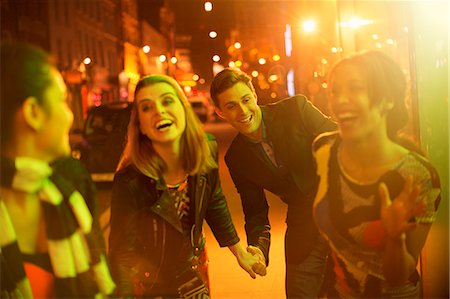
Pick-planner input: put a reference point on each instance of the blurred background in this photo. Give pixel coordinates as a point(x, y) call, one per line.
point(103, 47)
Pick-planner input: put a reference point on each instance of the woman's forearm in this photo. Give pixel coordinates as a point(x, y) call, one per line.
point(398, 263)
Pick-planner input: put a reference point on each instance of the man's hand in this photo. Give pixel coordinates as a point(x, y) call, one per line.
point(260, 266)
point(246, 260)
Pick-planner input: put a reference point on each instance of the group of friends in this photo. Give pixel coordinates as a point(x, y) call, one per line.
point(361, 200)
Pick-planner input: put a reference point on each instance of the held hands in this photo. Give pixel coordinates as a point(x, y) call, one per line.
point(247, 262)
point(395, 215)
point(252, 260)
point(260, 266)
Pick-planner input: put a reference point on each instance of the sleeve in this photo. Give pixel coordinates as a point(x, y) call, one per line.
point(430, 192)
point(122, 238)
point(255, 208)
point(313, 120)
point(218, 215)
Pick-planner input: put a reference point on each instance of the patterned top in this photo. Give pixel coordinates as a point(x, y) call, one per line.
point(179, 193)
point(348, 216)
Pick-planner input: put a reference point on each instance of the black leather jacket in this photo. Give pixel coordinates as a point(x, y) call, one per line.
point(145, 247)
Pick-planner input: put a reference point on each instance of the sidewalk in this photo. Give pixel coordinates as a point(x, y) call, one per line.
point(228, 280)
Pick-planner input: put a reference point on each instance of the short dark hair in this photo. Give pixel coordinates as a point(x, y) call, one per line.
point(385, 80)
point(227, 78)
point(25, 72)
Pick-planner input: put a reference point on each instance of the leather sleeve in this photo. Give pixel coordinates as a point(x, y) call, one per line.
point(122, 238)
point(255, 208)
point(218, 215)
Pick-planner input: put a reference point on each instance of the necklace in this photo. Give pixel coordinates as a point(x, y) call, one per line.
point(179, 186)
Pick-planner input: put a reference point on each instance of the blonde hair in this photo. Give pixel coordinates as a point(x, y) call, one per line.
point(194, 148)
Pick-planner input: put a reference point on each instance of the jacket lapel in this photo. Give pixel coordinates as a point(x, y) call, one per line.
point(164, 207)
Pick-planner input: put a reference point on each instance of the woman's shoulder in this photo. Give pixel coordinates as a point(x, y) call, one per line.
point(127, 173)
point(420, 167)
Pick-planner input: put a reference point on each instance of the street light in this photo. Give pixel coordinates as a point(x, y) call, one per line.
point(208, 6)
point(162, 58)
point(355, 23)
point(309, 26)
point(146, 49)
point(87, 60)
point(212, 34)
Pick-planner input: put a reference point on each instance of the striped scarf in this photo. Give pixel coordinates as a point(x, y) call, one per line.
point(79, 267)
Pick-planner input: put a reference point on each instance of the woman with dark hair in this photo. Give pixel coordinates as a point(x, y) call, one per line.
point(167, 183)
point(376, 199)
point(49, 243)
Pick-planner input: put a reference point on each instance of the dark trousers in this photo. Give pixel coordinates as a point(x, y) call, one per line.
point(304, 280)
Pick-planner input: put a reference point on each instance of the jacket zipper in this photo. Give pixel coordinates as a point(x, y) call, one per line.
point(195, 243)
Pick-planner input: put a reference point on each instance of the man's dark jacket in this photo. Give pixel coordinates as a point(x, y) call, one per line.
point(291, 126)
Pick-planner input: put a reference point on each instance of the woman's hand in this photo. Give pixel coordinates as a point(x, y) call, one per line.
point(260, 266)
point(247, 261)
point(395, 215)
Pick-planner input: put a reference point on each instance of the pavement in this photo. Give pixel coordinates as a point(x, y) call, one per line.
point(228, 280)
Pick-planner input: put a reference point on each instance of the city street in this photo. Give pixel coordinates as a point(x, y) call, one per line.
point(228, 280)
point(92, 56)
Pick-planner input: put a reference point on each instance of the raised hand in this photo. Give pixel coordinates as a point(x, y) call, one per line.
point(396, 214)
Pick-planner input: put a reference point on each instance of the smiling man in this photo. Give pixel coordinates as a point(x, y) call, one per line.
point(273, 152)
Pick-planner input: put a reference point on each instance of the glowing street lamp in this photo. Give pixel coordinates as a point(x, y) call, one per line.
point(212, 34)
point(173, 60)
point(237, 45)
point(356, 23)
point(309, 26)
point(262, 61)
point(273, 78)
point(87, 60)
point(216, 58)
point(162, 58)
point(208, 6)
point(146, 49)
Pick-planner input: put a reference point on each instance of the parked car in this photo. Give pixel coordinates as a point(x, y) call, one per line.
point(202, 106)
point(103, 139)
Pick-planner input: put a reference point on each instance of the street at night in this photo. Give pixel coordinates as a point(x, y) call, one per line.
point(280, 73)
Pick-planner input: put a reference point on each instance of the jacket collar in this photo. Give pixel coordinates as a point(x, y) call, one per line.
point(162, 205)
